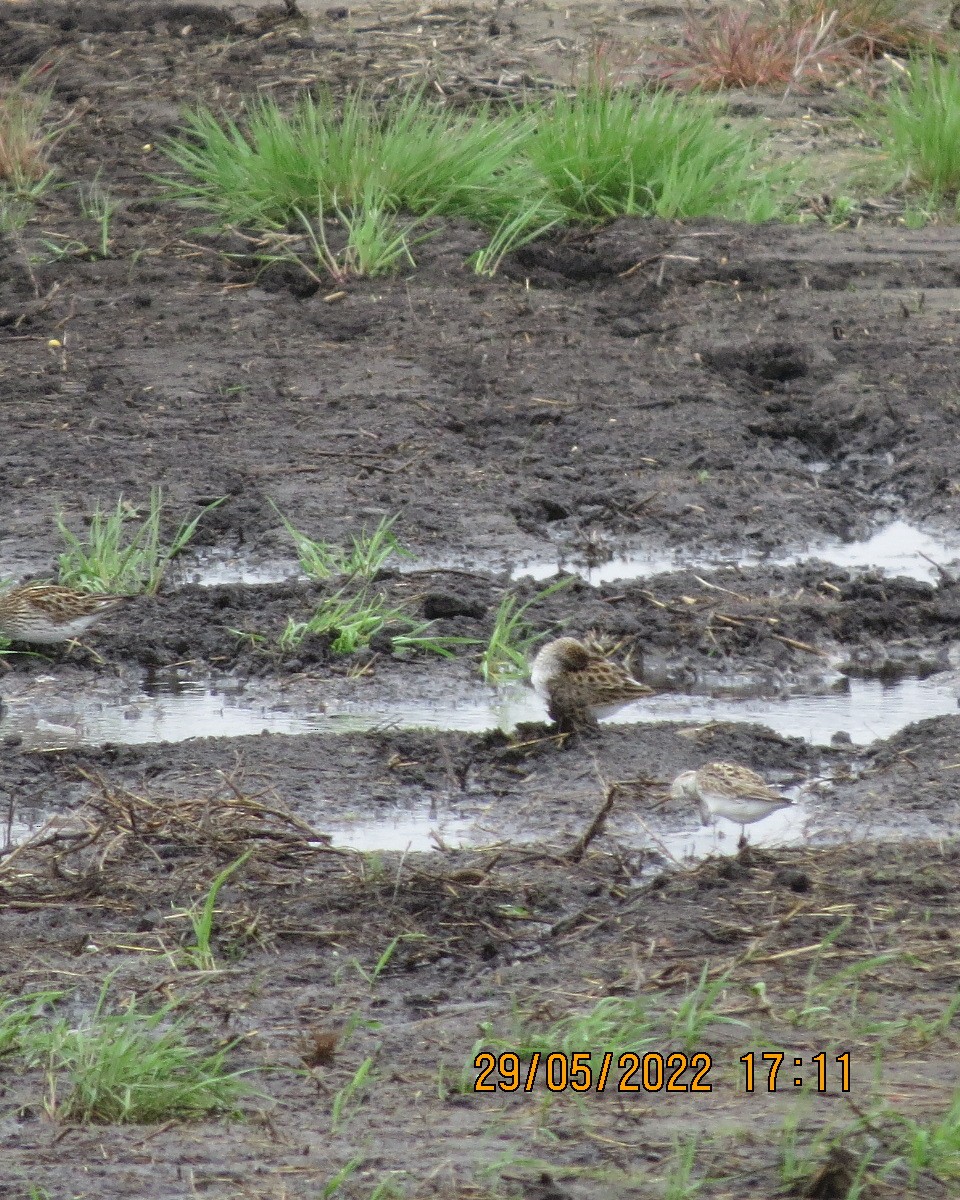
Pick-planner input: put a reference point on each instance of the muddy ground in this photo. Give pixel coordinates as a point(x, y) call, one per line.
point(701, 386)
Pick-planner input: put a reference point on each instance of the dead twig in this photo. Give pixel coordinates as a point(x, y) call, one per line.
point(579, 847)
point(795, 645)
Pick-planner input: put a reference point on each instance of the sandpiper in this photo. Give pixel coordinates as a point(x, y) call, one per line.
point(580, 683)
point(45, 613)
point(725, 789)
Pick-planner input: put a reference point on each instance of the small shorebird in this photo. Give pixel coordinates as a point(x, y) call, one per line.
point(726, 790)
point(580, 683)
point(45, 613)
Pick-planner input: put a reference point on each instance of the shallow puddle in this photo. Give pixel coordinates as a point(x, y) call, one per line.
point(402, 832)
point(424, 831)
point(786, 827)
point(196, 711)
point(213, 569)
point(809, 819)
point(45, 719)
point(866, 710)
point(897, 549)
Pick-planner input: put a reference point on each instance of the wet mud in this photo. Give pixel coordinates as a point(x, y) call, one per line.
point(742, 442)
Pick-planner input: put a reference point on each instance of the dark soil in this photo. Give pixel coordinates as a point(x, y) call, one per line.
point(659, 382)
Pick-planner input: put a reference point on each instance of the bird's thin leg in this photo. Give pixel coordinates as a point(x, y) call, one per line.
point(75, 643)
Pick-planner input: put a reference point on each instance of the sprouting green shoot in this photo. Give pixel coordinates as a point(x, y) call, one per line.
point(99, 206)
point(366, 556)
point(513, 232)
point(697, 1010)
point(336, 1182)
point(383, 961)
point(432, 643)
point(512, 638)
point(374, 241)
point(350, 621)
point(678, 1184)
point(369, 238)
point(614, 1024)
point(351, 1094)
point(200, 955)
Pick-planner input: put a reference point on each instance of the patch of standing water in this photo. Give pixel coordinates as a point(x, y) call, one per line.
point(785, 827)
point(403, 832)
point(867, 709)
point(426, 830)
point(141, 719)
point(216, 569)
point(199, 710)
point(44, 718)
point(423, 831)
point(897, 549)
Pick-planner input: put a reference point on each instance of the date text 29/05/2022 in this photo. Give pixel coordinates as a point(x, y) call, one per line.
point(675, 1071)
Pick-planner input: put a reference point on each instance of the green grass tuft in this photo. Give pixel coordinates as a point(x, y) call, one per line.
point(367, 554)
point(129, 1067)
point(697, 1011)
point(512, 638)
point(614, 1025)
point(122, 551)
point(595, 155)
point(934, 1147)
point(26, 135)
point(602, 154)
point(352, 620)
point(412, 154)
point(19, 1013)
point(920, 127)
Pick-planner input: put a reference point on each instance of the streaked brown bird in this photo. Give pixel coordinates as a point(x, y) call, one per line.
point(727, 790)
point(580, 683)
point(45, 613)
